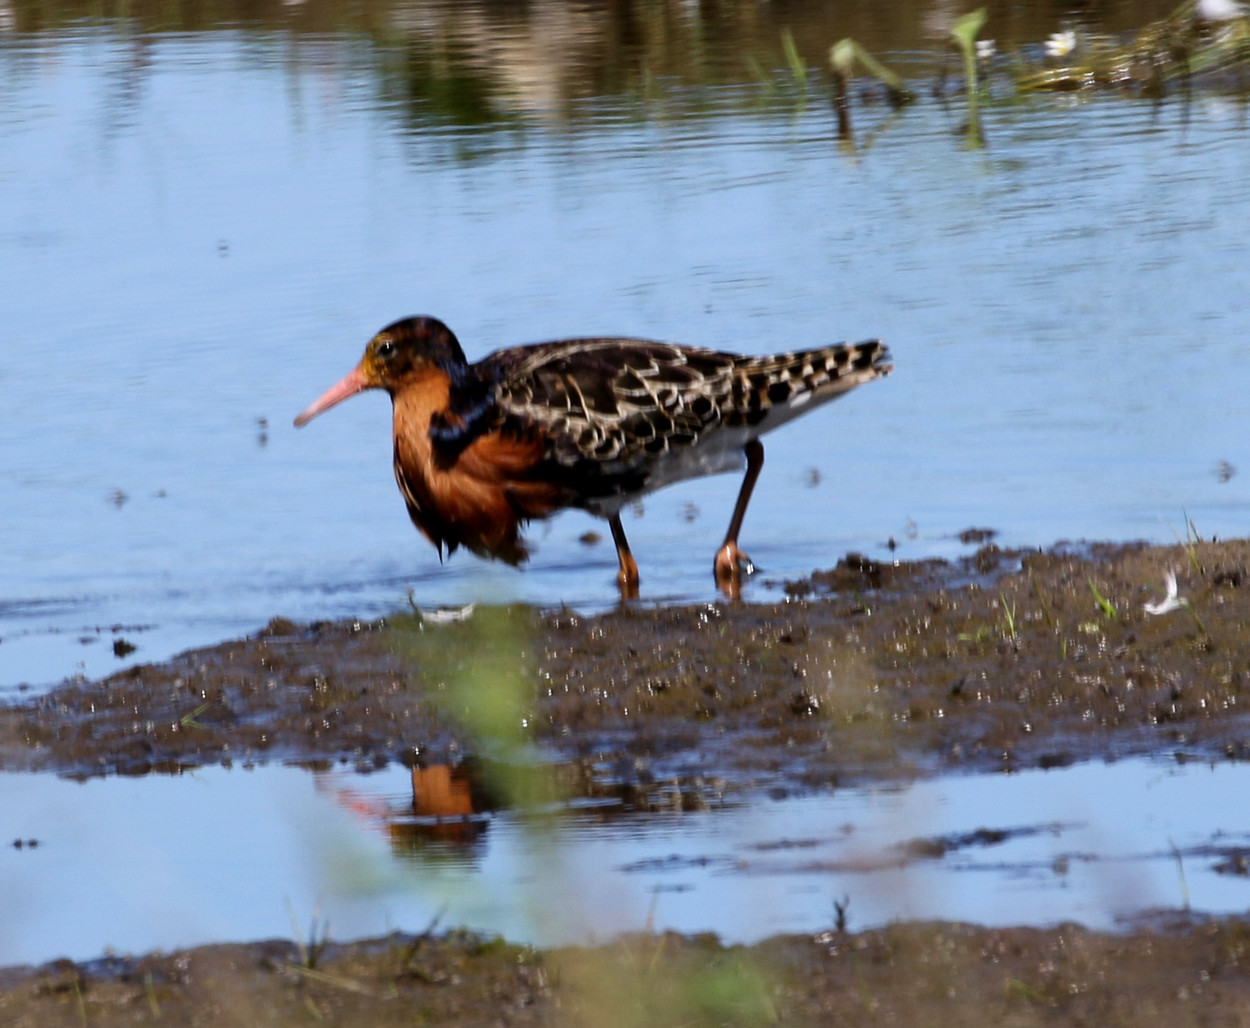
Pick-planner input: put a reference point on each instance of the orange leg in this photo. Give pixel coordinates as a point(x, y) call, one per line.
point(627, 577)
point(729, 559)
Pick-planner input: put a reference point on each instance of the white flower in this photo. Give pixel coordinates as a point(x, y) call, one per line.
point(1219, 10)
point(1060, 44)
point(1171, 601)
point(985, 49)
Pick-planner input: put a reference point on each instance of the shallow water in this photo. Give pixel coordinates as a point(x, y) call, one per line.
point(158, 862)
point(202, 222)
point(200, 230)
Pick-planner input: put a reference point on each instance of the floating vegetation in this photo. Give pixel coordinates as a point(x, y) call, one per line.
point(964, 32)
point(1201, 37)
point(843, 58)
point(1203, 40)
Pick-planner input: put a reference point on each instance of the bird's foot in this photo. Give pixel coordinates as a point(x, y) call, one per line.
point(731, 566)
point(628, 587)
point(627, 579)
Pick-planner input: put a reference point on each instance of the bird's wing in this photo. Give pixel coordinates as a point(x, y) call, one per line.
point(622, 416)
point(615, 403)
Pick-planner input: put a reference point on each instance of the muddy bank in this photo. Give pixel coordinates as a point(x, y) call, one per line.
point(1191, 973)
point(1002, 660)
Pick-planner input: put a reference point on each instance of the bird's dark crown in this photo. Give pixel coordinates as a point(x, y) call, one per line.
point(411, 345)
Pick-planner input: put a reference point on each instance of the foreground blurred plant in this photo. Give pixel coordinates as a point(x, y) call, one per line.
point(479, 669)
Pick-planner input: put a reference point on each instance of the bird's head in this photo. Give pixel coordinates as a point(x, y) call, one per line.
point(400, 353)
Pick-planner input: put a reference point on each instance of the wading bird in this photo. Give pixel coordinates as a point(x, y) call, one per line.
point(482, 448)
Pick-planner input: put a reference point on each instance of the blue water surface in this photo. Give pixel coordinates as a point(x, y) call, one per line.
point(200, 232)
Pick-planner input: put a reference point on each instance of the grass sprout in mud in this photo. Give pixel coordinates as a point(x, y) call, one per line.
point(479, 671)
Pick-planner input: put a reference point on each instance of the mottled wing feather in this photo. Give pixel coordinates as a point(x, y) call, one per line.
point(773, 387)
point(613, 410)
point(615, 403)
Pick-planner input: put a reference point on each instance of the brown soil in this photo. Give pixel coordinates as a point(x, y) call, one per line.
point(1193, 973)
point(1004, 660)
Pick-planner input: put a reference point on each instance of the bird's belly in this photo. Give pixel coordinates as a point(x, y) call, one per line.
point(713, 455)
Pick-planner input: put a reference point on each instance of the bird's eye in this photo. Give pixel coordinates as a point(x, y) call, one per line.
point(386, 349)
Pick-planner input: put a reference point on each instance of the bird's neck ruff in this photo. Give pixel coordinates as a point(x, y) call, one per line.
point(470, 399)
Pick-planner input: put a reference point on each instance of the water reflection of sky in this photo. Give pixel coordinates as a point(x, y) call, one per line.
point(200, 231)
point(159, 862)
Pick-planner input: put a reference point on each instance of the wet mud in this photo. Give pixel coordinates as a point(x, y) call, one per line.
point(935, 974)
point(1002, 660)
point(866, 671)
